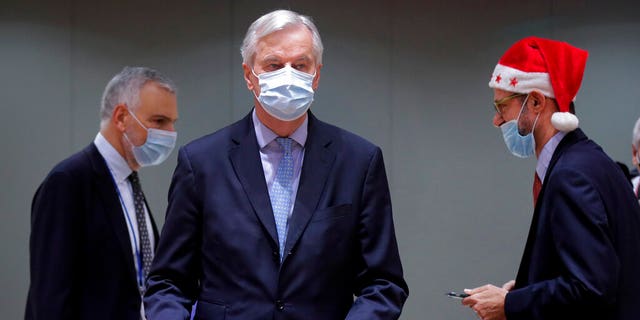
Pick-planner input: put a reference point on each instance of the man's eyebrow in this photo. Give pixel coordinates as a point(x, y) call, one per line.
point(271, 58)
point(159, 116)
point(304, 58)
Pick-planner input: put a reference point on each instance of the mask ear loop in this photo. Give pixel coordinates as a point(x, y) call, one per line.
point(520, 114)
point(140, 123)
point(134, 116)
point(534, 122)
point(257, 77)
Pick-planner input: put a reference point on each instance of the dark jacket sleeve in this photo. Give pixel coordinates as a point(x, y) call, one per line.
point(579, 227)
point(53, 249)
point(173, 280)
point(381, 290)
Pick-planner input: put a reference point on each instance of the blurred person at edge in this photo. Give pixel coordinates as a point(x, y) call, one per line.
point(635, 159)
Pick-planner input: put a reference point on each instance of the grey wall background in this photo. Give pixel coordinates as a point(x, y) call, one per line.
point(410, 76)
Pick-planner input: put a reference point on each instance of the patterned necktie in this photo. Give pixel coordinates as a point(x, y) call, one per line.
point(537, 186)
point(145, 243)
point(281, 192)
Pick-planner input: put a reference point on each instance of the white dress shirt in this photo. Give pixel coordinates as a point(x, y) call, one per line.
point(120, 171)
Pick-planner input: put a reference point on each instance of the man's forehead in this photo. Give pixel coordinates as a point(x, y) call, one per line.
point(158, 102)
point(275, 57)
point(291, 39)
point(499, 94)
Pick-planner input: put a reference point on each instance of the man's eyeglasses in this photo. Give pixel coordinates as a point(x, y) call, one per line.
point(498, 104)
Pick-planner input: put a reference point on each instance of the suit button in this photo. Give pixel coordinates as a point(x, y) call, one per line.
point(276, 255)
point(280, 305)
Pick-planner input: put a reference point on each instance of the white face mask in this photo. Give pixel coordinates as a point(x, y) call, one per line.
point(286, 93)
point(156, 149)
point(520, 146)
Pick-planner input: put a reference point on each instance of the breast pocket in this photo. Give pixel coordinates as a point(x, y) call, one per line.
point(210, 311)
point(335, 212)
point(329, 239)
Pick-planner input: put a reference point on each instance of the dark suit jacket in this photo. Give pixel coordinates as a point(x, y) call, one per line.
point(582, 258)
point(81, 259)
point(219, 242)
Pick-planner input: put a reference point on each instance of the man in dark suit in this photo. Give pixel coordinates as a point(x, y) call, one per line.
point(583, 250)
point(279, 215)
point(92, 234)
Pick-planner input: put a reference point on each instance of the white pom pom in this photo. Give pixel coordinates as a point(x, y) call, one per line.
point(564, 121)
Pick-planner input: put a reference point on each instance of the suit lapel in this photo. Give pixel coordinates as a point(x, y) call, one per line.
point(570, 139)
point(108, 196)
point(245, 158)
point(318, 160)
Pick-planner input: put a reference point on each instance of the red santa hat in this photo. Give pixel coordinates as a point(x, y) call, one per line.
point(552, 67)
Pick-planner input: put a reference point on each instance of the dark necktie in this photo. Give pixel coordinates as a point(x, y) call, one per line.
point(537, 186)
point(145, 243)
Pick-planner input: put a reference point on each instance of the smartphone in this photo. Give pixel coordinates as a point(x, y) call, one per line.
point(455, 295)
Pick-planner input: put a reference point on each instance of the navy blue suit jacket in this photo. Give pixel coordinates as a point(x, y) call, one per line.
point(582, 258)
point(219, 242)
point(80, 254)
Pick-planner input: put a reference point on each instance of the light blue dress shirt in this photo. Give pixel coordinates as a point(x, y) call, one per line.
point(544, 159)
point(271, 153)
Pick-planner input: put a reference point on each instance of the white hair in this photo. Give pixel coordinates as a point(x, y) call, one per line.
point(276, 21)
point(124, 88)
point(635, 140)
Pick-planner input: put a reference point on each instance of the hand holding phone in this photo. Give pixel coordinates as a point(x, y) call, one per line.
point(455, 295)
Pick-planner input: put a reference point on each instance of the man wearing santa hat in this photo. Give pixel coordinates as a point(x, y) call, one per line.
point(582, 257)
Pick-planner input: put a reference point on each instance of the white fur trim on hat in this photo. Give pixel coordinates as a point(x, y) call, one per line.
point(564, 121)
point(514, 80)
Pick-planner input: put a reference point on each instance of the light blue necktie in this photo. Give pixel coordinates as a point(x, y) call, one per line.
point(281, 191)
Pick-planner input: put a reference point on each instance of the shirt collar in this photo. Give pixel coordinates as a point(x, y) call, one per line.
point(547, 152)
point(266, 135)
point(118, 166)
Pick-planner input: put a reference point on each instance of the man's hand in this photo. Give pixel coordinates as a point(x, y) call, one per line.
point(509, 285)
point(488, 301)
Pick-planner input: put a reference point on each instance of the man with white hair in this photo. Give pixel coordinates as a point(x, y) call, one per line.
point(635, 159)
point(92, 232)
point(582, 255)
point(279, 215)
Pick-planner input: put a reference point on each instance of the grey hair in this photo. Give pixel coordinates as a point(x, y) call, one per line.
point(636, 135)
point(124, 88)
point(276, 21)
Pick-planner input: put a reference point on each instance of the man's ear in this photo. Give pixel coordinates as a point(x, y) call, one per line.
point(119, 116)
point(248, 72)
point(316, 80)
point(537, 101)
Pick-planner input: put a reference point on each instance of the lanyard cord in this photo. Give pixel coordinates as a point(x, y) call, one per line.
point(140, 276)
point(135, 242)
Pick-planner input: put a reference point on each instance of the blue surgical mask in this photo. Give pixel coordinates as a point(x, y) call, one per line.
point(518, 145)
point(156, 149)
point(286, 93)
